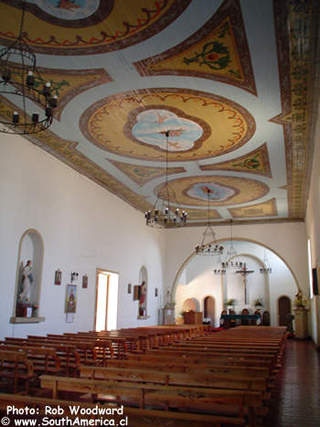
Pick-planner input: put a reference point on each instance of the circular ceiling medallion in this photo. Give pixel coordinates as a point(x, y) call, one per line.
point(224, 190)
point(200, 125)
point(84, 27)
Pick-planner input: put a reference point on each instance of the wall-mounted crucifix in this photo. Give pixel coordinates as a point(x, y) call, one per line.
point(244, 272)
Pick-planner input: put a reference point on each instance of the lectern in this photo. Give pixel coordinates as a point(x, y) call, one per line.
point(192, 317)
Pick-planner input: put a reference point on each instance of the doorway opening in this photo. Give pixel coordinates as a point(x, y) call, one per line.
point(284, 309)
point(209, 309)
point(106, 300)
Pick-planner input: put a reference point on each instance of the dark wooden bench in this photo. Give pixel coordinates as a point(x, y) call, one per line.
point(155, 376)
point(227, 403)
point(135, 417)
point(44, 359)
point(15, 366)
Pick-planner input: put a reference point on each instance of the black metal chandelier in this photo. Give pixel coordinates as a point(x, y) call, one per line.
point(23, 90)
point(208, 245)
point(165, 213)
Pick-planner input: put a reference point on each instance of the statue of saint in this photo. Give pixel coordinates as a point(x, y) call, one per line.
point(27, 281)
point(142, 299)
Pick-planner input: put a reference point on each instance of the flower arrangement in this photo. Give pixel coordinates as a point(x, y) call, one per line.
point(300, 301)
point(230, 301)
point(258, 302)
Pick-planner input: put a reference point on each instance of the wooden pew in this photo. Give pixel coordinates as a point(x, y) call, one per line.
point(44, 359)
point(214, 401)
point(173, 378)
point(68, 355)
point(218, 360)
point(178, 365)
point(15, 366)
point(135, 417)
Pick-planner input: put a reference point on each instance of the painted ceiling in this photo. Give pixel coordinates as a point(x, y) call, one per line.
point(231, 82)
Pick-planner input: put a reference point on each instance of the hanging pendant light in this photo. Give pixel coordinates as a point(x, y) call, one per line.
point(232, 259)
point(266, 266)
point(208, 244)
point(165, 213)
point(22, 89)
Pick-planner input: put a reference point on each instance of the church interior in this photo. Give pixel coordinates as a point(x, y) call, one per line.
point(159, 215)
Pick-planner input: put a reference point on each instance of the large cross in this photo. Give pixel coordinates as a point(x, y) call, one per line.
point(244, 272)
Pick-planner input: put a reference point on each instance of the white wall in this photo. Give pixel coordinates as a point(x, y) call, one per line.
point(287, 240)
point(83, 227)
point(313, 231)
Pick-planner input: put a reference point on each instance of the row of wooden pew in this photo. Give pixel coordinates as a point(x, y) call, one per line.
point(176, 375)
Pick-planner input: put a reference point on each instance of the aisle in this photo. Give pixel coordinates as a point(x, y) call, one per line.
point(296, 400)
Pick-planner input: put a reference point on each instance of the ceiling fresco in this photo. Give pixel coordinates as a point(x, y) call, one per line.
point(230, 82)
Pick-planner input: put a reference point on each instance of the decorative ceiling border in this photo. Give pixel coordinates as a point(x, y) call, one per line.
point(298, 70)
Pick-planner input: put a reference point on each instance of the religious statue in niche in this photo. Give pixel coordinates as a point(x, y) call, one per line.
point(25, 306)
point(26, 284)
point(143, 299)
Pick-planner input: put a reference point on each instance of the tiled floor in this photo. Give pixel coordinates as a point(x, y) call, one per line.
point(296, 398)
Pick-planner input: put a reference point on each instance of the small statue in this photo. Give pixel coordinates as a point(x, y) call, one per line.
point(27, 281)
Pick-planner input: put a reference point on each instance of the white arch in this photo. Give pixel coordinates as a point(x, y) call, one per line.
point(191, 256)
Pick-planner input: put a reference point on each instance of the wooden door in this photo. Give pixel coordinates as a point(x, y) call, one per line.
point(284, 308)
point(209, 309)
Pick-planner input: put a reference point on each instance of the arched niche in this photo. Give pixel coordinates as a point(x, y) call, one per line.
point(191, 304)
point(143, 293)
point(26, 304)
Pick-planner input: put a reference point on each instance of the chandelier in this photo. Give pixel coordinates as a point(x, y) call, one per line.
point(208, 245)
point(164, 213)
point(266, 266)
point(232, 258)
point(23, 86)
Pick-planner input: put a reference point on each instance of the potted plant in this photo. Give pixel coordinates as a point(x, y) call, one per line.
point(230, 302)
point(258, 303)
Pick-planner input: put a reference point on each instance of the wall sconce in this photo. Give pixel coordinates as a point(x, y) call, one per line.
point(74, 276)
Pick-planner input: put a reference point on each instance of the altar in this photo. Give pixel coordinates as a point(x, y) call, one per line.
point(239, 319)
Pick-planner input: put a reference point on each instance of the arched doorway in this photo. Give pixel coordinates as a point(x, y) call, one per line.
point(209, 309)
point(284, 308)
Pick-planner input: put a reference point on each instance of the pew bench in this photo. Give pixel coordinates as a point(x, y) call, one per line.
point(178, 365)
point(226, 402)
point(172, 378)
point(15, 366)
point(136, 417)
point(44, 359)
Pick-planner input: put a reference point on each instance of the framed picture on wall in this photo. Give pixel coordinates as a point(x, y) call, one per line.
point(57, 277)
point(71, 299)
point(85, 281)
point(136, 292)
point(315, 280)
